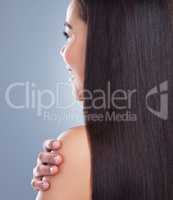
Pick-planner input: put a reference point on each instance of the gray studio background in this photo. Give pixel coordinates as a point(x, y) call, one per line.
point(30, 38)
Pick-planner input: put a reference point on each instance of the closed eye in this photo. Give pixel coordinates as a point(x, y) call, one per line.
point(66, 35)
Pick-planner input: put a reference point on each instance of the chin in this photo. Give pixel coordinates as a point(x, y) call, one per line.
point(77, 96)
point(76, 92)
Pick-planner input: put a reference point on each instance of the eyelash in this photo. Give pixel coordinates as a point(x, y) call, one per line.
point(66, 35)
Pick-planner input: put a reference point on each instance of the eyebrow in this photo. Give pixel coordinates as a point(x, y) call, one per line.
point(68, 25)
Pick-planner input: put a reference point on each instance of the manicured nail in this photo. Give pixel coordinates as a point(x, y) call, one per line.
point(56, 144)
point(53, 170)
point(45, 185)
point(57, 159)
point(44, 179)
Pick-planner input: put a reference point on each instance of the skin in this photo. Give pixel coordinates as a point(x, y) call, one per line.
point(73, 182)
point(73, 54)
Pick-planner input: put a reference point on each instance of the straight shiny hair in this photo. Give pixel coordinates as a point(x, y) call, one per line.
point(129, 46)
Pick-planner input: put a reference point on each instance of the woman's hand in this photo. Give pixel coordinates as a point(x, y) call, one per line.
point(47, 165)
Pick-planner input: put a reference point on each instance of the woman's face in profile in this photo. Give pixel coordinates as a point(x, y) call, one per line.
point(73, 52)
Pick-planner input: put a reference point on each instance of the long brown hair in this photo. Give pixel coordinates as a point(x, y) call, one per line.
point(130, 47)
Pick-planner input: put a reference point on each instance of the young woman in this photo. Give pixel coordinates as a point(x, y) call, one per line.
point(120, 54)
point(73, 183)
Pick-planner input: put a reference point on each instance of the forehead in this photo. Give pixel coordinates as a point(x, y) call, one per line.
point(72, 12)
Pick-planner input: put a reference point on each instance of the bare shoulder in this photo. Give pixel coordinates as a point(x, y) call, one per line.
point(77, 132)
point(75, 148)
point(73, 180)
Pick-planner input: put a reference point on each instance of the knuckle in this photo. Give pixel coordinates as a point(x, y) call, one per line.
point(50, 159)
point(45, 144)
point(40, 156)
point(53, 153)
point(51, 144)
point(34, 171)
point(38, 169)
point(46, 170)
point(42, 170)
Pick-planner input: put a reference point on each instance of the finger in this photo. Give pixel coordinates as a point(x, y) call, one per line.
point(38, 185)
point(50, 145)
point(46, 179)
point(49, 158)
point(44, 170)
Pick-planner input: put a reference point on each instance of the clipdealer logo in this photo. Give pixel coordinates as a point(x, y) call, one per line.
point(162, 90)
point(33, 98)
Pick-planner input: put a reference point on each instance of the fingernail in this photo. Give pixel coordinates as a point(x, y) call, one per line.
point(56, 144)
point(44, 179)
point(45, 185)
point(57, 159)
point(53, 170)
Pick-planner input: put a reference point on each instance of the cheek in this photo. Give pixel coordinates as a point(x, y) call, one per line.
point(67, 55)
point(74, 56)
